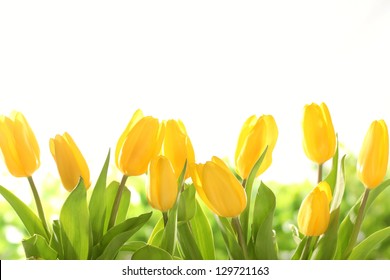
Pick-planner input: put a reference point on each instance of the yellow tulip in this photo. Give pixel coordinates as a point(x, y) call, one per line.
point(374, 154)
point(319, 138)
point(256, 134)
point(138, 144)
point(219, 188)
point(178, 147)
point(162, 188)
point(19, 145)
point(314, 215)
point(70, 162)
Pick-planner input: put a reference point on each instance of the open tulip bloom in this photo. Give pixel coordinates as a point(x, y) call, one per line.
point(194, 200)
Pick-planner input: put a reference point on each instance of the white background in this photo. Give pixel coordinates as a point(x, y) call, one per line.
point(85, 67)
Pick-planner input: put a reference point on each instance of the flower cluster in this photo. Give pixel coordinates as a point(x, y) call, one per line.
point(100, 228)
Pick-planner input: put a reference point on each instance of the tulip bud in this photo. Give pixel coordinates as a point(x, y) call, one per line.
point(374, 154)
point(19, 145)
point(178, 147)
point(138, 144)
point(314, 215)
point(219, 188)
point(70, 162)
point(319, 138)
point(162, 188)
point(256, 134)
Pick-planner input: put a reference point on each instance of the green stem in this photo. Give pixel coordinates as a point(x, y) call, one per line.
point(39, 205)
point(306, 249)
point(358, 223)
point(117, 201)
point(240, 236)
point(319, 178)
point(165, 218)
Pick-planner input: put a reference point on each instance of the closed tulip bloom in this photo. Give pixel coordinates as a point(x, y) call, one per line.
point(219, 188)
point(319, 138)
point(70, 162)
point(138, 144)
point(162, 188)
point(374, 154)
point(256, 134)
point(178, 147)
point(314, 214)
point(19, 145)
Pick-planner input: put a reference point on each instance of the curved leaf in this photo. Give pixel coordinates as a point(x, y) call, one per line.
point(36, 247)
point(263, 235)
point(149, 252)
point(361, 251)
point(110, 194)
point(203, 233)
point(31, 221)
point(97, 203)
point(74, 219)
point(244, 217)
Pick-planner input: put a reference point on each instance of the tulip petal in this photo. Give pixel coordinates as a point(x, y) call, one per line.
point(136, 117)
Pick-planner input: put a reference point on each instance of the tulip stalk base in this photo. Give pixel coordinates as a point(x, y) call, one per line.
point(38, 204)
point(240, 235)
point(358, 223)
point(117, 201)
point(165, 218)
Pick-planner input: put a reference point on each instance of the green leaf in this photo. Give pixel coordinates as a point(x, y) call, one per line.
point(327, 244)
point(349, 221)
point(244, 217)
point(187, 242)
point(156, 235)
point(298, 252)
point(331, 179)
point(229, 237)
point(36, 247)
point(168, 242)
point(361, 251)
point(133, 246)
point(263, 235)
point(187, 204)
point(74, 219)
point(203, 233)
point(149, 252)
point(110, 194)
point(31, 221)
point(97, 203)
point(118, 235)
point(56, 239)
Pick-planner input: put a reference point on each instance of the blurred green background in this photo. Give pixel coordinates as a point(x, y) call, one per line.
point(288, 198)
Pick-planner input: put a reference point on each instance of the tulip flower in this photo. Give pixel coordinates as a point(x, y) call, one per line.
point(162, 188)
point(314, 214)
point(178, 147)
point(256, 134)
point(374, 154)
point(19, 145)
point(70, 162)
point(319, 138)
point(138, 144)
point(219, 188)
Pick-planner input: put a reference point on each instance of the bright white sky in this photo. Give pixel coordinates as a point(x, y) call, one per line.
point(85, 67)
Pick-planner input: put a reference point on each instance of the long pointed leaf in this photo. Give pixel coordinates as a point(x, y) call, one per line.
point(187, 242)
point(118, 235)
point(361, 251)
point(110, 194)
point(349, 221)
point(74, 219)
point(31, 221)
point(245, 215)
point(262, 224)
point(203, 233)
point(97, 203)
